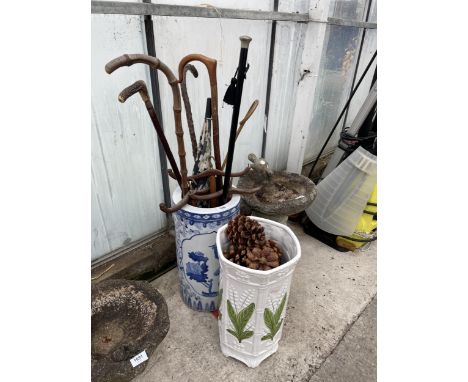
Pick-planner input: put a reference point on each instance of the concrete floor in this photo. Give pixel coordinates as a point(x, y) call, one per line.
point(329, 291)
point(355, 357)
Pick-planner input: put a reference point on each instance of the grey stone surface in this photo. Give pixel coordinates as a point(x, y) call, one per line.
point(355, 358)
point(329, 291)
point(282, 193)
point(127, 317)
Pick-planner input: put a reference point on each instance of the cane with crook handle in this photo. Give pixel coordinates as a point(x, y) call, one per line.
point(188, 108)
point(205, 193)
point(129, 60)
point(210, 64)
point(140, 87)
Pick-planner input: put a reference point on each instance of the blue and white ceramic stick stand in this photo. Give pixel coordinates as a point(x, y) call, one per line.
point(197, 256)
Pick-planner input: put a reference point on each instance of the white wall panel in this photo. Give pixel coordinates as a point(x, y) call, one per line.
point(126, 185)
point(289, 45)
point(308, 84)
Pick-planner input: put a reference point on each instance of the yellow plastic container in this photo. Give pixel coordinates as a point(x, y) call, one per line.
point(364, 231)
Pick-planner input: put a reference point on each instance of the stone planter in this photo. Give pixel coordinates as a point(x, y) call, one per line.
point(253, 303)
point(197, 257)
point(127, 317)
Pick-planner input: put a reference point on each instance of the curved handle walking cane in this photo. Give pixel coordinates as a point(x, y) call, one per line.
point(249, 113)
point(202, 195)
point(188, 108)
point(210, 64)
point(205, 194)
point(140, 87)
point(211, 172)
point(129, 60)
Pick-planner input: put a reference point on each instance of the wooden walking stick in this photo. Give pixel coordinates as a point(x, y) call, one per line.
point(210, 64)
point(188, 109)
point(206, 193)
point(129, 60)
point(140, 87)
point(249, 113)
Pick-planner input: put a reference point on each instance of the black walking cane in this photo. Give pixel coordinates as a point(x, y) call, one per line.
point(233, 97)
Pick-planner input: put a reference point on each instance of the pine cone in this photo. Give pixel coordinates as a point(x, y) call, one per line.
point(248, 246)
point(233, 256)
point(264, 258)
point(245, 233)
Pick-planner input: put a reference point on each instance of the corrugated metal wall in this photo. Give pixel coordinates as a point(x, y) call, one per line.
point(126, 177)
point(337, 67)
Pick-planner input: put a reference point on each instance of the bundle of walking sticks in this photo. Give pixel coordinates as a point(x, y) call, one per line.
point(208, 186)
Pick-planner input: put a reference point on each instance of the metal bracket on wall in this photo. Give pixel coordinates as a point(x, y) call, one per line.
point(351, 23)
point(142, 9)
point(150, 45)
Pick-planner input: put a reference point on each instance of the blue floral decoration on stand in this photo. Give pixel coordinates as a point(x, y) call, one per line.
point(197, 271)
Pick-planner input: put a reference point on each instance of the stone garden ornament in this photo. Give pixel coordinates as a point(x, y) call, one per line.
point(129, 319)
point(281, 193)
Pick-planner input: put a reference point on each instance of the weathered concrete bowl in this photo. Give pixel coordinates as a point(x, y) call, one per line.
point(127, 317)
point(283, 193)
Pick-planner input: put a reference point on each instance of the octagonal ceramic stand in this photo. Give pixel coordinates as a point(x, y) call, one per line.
point(252, 302)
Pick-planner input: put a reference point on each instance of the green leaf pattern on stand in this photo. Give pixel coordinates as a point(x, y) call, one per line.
point(272, 320)
point(220, 300)
point(240, 321)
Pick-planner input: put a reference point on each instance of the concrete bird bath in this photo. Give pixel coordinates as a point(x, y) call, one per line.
point(127, 318)
point(283, 193)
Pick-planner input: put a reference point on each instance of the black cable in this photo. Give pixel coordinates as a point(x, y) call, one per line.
point(342, 112)
point(269, 76)
point(361, 45)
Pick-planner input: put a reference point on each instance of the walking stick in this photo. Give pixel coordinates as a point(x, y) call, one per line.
point(241, 71)
point(249, 113)
point(210, 64)
point(188, 109)
point(140, 87)
point(129, 60)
